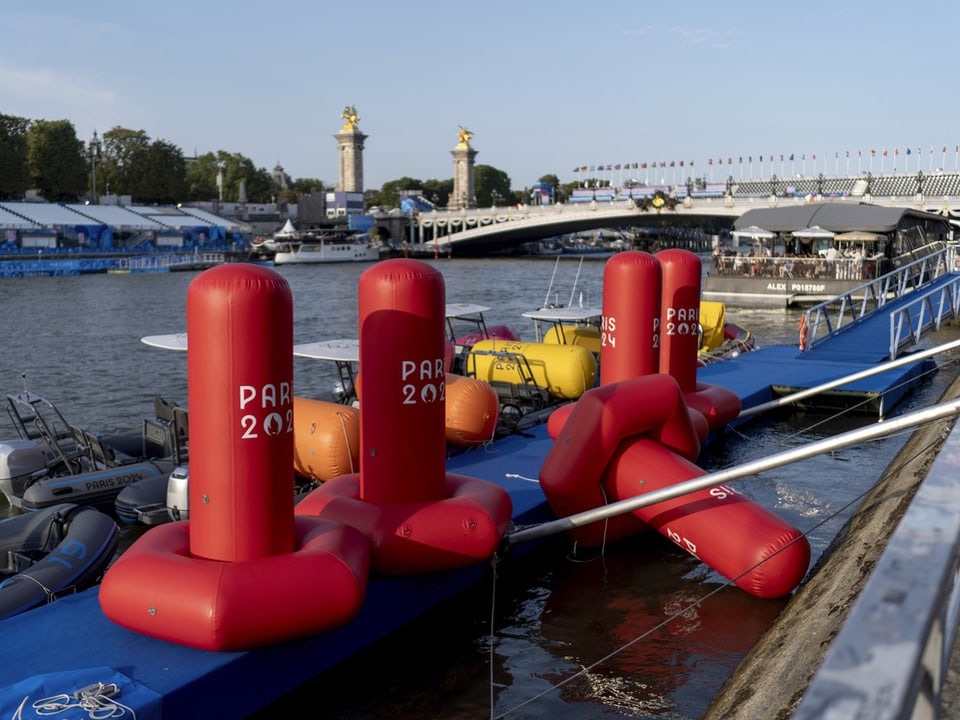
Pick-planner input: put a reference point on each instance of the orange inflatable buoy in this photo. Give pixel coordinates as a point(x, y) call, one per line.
point(803, 332)
point(472, 410)
point(326, 438)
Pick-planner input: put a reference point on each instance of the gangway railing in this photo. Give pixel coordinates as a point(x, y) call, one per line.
point(924, 315)
point(890, 658)
point(824, 320)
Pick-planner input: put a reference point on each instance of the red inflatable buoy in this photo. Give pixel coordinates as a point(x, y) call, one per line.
point(417, 517)
point(630, 335)
point(209, 582)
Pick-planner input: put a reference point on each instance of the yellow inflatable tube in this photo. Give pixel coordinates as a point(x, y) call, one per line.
point(586, 335)
point(564, 371)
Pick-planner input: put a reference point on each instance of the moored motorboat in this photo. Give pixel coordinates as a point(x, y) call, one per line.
point(352, 248)
point(53, 462)
point(55, 551)
point(145, 502)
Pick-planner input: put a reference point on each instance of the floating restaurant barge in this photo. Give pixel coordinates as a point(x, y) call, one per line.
point(805, 254)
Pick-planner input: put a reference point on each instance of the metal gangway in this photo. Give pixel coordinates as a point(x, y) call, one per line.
point(933, 283)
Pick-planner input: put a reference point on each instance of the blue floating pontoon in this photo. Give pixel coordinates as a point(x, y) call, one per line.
point(73, 634)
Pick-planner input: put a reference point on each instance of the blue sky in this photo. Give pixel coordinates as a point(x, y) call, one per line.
point(545, 87)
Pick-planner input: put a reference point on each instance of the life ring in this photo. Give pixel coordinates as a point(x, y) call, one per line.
point(803, 332)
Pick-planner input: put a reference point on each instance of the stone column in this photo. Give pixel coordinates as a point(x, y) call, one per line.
point(463, 160)
point(350, 144)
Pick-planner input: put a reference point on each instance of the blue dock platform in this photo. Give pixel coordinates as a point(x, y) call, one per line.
point(859, 344)
point(73, 635)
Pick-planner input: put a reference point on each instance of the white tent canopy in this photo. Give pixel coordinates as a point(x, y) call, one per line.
point(287, 231)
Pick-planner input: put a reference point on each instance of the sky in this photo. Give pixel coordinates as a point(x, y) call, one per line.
point(545, 87)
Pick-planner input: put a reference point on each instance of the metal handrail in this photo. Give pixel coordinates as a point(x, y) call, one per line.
point(890, 658)
point(925, 314)
point(826, 319)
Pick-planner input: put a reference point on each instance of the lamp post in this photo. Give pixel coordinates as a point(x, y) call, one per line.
point(220, 180)
point(94, 151)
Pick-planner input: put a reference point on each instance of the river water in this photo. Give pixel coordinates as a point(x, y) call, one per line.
point(641, 631)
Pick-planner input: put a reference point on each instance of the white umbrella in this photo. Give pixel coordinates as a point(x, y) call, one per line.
point(814, 231)
point(758, 233)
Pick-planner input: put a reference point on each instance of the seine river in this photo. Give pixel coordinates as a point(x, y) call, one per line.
point(643, 631)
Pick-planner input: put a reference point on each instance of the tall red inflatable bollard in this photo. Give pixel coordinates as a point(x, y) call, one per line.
point(630, 343)
point(210, 581)
point(680, 316)
point(240, 395)
point(402, 308)
point(417, 516)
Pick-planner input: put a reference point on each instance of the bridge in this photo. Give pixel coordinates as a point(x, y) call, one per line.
point(494, 229)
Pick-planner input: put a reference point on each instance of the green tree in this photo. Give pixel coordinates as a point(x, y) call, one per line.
point(161, 174)
point(14, 178)
point(391, 190)
point(56, 160)
point(554, 182)
point(306, 185)
point(118, 167)
point(491, 186)
point(203, 172)
point(202, 177)
point(566, 191)
point(438, 191)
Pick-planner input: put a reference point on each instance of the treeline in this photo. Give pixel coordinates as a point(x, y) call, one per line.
point(47, 157)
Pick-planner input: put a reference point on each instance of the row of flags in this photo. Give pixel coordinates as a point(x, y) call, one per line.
point(750, 158)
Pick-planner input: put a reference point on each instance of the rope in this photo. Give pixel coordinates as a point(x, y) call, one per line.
point(96, 700)
point(346, 438)
point(48, 593)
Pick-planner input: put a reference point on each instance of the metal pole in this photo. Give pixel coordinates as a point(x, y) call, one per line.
point(876, 370)
point(870, 432)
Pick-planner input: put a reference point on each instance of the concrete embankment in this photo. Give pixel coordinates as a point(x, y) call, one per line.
point(772, 678)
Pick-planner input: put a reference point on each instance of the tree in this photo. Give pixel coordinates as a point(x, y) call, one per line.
point(566, 190)
point(491, 186)
point(14, 178)
point(554, 182)
point(391, 190)
point(202, 176)
point(117, 168)
point(306, 185)
point(161, 174)
point(438, 191)
point(203, 172)
point(56, 160)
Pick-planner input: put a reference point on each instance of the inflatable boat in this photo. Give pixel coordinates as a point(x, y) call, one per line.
point(53, 462)
point(52, 552)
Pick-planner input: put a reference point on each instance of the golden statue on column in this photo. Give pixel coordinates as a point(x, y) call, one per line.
point(351, 119)
point(463, 137)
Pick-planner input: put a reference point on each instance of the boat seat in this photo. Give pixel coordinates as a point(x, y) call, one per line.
point(156, 439)
point(90, 447)
point(163, 409)
point(102, 454)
